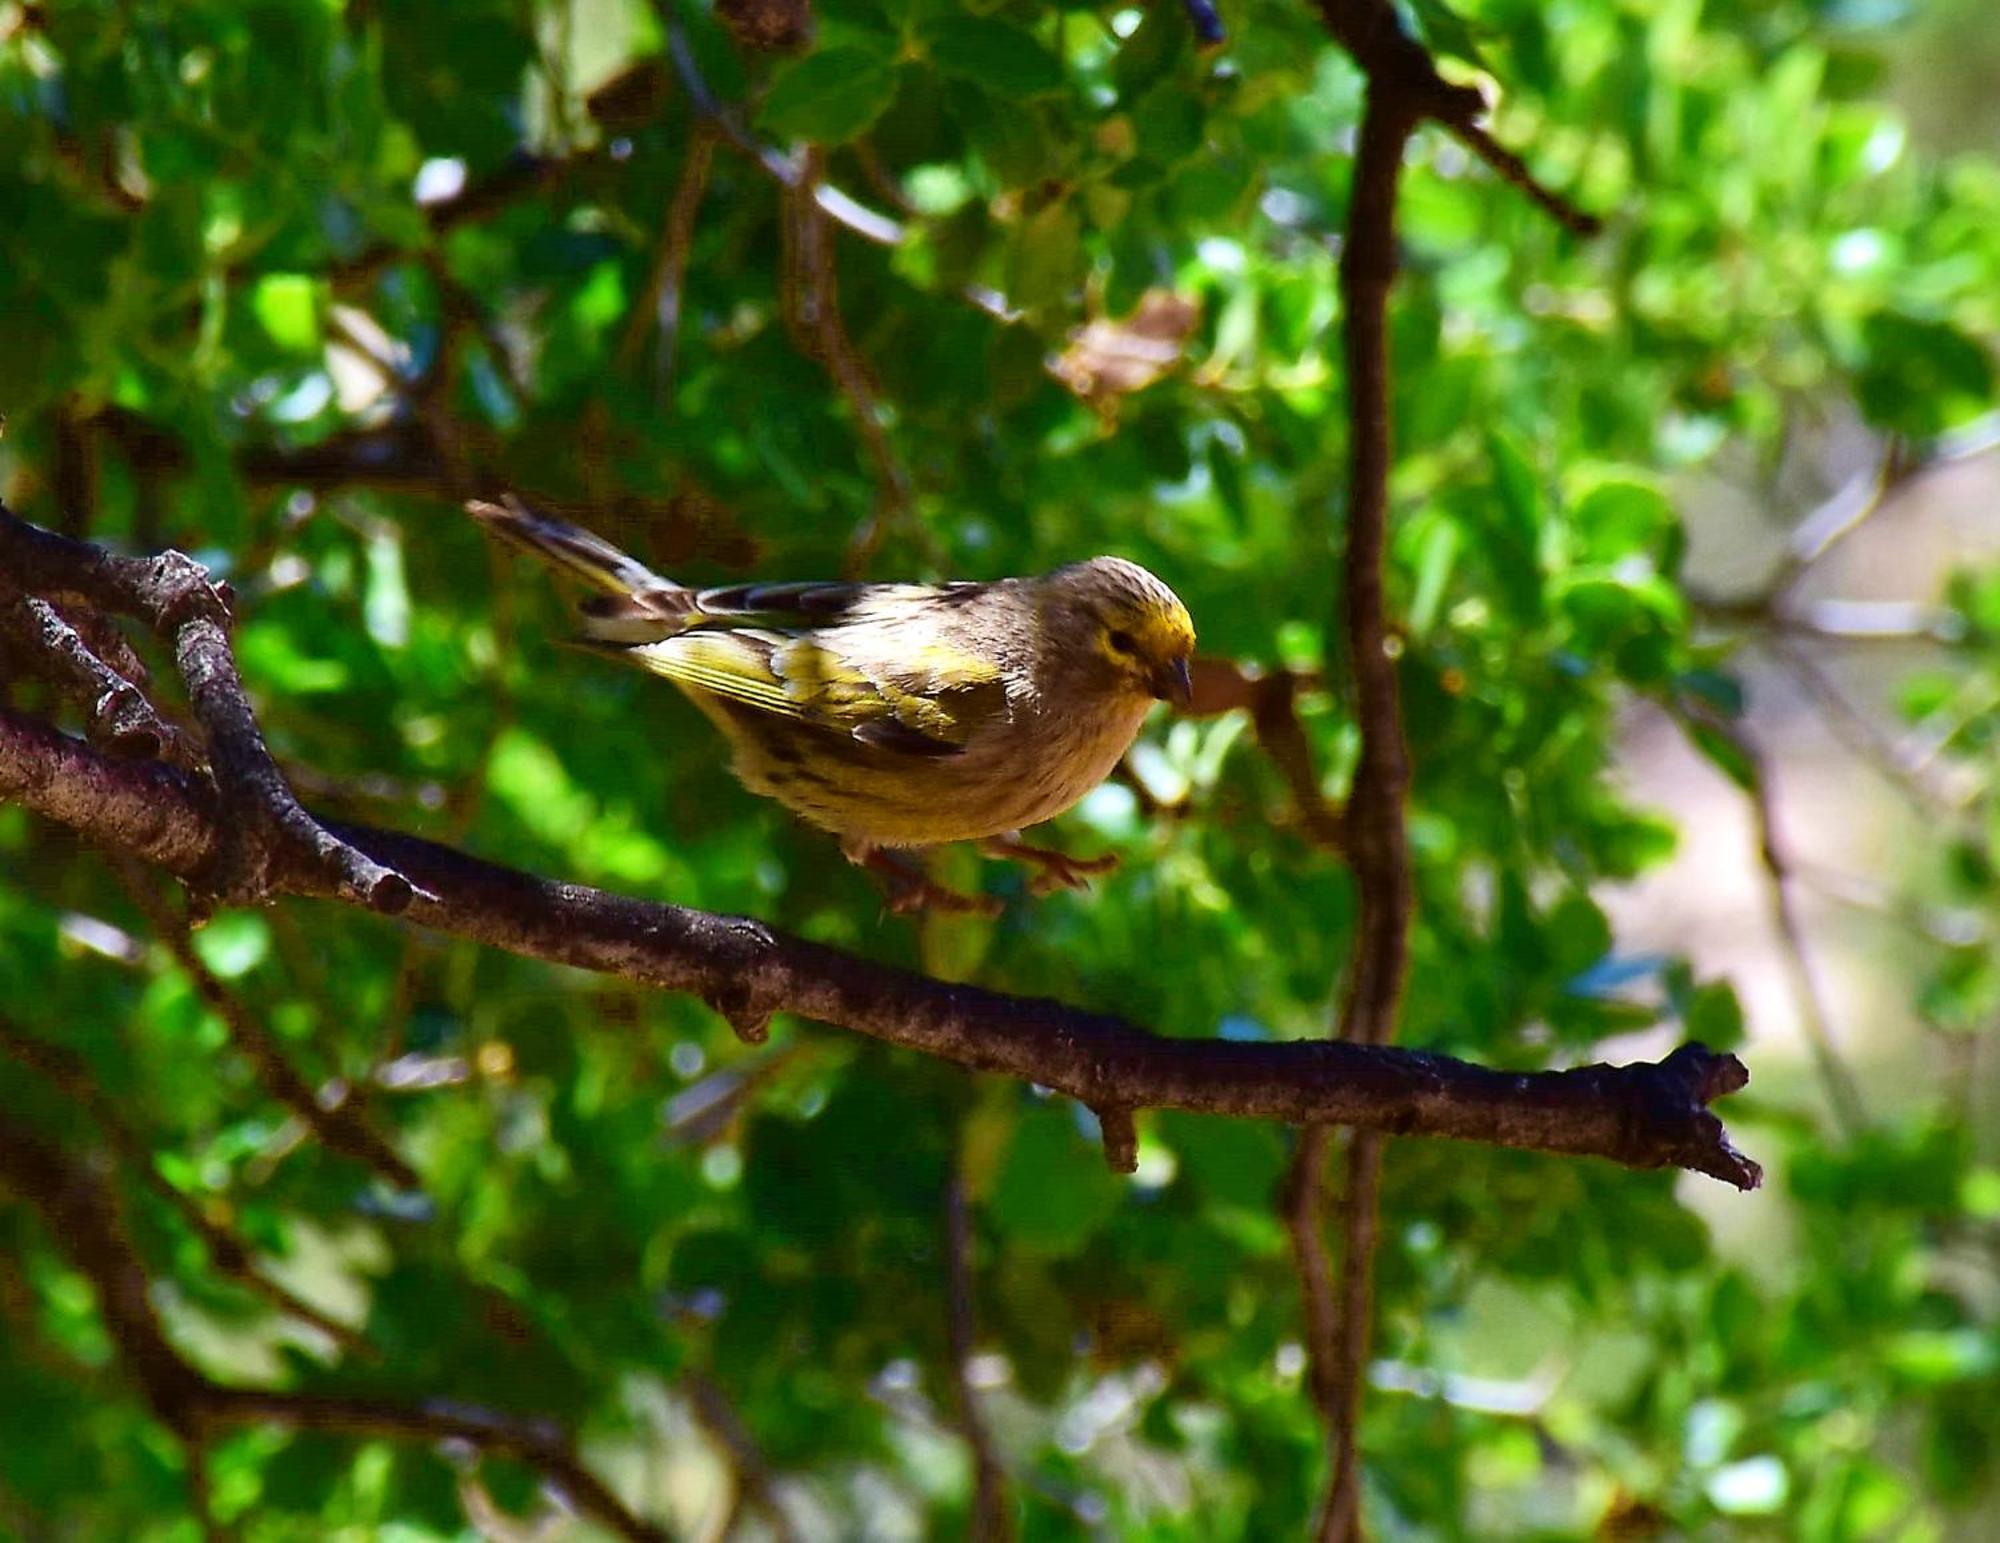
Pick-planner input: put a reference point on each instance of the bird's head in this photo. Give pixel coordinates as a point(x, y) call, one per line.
point(1127, 624)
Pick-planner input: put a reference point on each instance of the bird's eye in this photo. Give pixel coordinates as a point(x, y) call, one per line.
point(1122, 641)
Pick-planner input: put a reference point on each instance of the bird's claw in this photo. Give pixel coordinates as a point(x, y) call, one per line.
point(922, 894)
point(1056, 870)
point(910, 889)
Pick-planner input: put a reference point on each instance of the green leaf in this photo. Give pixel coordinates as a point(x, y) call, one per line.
point(1920, 377)
point(1714, 1016)
point(1045, 260)
point(1003, 58)
point(1053, 1190)
point(1620, 519)
point(829, 98)
point(1447, 32)
point(1726, 752)
point(287, 307)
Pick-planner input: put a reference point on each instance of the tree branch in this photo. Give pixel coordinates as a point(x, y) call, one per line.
point(338, 1125)
point(117, 717)
point(226, 1251)
point(756, 1486)
point(1644, 1115)
point(1371, 31)
point(172, 594)
point(85, 1220)
point(992, 1516)
point(1400, 83)
point(1403, 89)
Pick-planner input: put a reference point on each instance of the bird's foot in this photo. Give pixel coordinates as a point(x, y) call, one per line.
point(908, 889)
point(1058, 870)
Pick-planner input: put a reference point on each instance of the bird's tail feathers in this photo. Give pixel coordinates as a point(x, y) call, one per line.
point(635, 605)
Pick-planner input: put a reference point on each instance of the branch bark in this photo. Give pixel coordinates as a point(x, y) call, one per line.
point(172, 594)
point(1644, 1115)
point(1403, 90)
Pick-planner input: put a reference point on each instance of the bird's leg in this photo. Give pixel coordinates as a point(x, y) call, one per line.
point(1058, 869)
point(911, 889)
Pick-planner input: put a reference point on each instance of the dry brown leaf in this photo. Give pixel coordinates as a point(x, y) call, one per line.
point(1108, 358)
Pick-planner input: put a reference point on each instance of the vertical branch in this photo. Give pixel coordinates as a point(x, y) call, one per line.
point(1843, 1094)
point(1347, 1373)
point(339, 1125)
point(660, 306)
point(756, 1486)
point(1376, 841)
point(1403, 89)
point(812, 309)
point(992, 1517)
point(1302, 1200)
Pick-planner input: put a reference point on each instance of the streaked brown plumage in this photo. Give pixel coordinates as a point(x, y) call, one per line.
point(897, 715)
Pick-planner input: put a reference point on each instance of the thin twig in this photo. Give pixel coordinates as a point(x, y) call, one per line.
point(659, 307)
point(226, 1251)
point(339, 1127)
point(992, 1516)
point(1513, 171)
point(1223, 685)
point(1866, 738)
point(867, 223)
point(1372, 32)
point(1843, 1092)
point(85, 1220)
point(756, 1486)
point(789, 171)
point(810, 288)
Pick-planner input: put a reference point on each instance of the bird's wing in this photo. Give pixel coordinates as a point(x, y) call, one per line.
point(799, 607)
point(930, 703)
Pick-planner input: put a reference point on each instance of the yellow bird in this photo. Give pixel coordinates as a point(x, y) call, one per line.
point(899, 715)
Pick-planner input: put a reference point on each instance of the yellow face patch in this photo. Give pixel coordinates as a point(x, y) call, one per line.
point(1144, 634)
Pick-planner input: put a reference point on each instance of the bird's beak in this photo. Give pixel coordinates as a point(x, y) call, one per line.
point(1173, 683)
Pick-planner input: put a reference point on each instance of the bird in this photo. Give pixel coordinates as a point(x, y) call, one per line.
point(898, 716)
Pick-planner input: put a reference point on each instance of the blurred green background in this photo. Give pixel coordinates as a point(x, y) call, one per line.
point(283, 282)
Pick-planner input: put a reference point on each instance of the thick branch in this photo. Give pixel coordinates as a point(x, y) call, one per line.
point(172, 594)
point(1377, 843)
point(1643, 1115)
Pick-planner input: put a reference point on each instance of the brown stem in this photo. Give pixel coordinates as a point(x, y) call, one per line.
point(226, 1251)
point(1815, 1009)
point(1340, 1515)
point(84, 1219)
point(660, 305)
point(992, 1516)
point(339, 1127)
point(756, 1486)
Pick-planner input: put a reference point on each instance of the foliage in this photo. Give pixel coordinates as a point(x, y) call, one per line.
point(232, 327)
